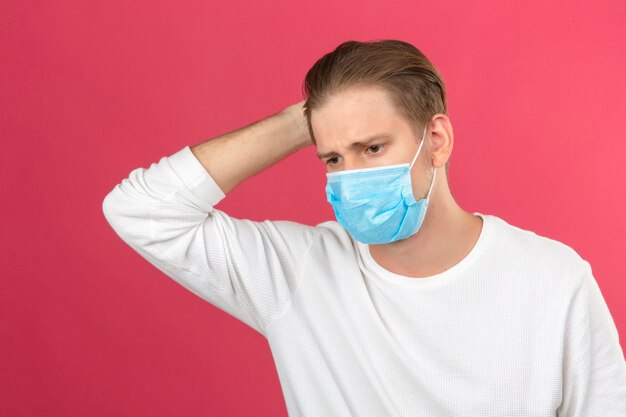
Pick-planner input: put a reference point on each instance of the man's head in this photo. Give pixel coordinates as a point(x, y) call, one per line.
point(389, 87)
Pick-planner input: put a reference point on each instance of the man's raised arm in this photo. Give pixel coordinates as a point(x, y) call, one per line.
point(166, 214)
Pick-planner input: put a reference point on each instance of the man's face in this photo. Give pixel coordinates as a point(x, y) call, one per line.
point(354, 116)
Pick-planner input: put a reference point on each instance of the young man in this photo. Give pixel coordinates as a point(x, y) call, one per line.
point(406, 305)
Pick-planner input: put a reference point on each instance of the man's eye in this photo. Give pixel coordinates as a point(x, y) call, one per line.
point(378, 147)
point(331, 159)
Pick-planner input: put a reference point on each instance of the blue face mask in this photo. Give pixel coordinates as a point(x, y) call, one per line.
point(376, 205)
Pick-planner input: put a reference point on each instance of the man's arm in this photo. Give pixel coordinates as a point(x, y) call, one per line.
point(166, 213)
point(237, 155)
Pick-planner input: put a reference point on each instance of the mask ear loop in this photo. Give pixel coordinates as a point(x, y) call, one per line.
point(434, 170)
point(434, 175)
point(420, 147)
point(432, 183)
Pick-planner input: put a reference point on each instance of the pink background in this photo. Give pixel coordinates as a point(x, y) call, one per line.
point(91, 90)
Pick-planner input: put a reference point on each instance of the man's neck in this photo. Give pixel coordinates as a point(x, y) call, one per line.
point(447, 235)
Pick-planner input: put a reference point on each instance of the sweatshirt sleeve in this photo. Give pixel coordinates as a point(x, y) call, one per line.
point(248, 269)
point(594, 370)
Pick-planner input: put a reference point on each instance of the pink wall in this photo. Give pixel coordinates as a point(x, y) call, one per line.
point(91, 90)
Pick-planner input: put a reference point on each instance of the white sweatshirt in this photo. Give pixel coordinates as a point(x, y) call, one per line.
point(519, 327)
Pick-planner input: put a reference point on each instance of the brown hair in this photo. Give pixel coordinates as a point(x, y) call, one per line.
point(413, 83)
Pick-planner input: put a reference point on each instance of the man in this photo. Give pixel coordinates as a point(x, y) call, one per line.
point(406, 305)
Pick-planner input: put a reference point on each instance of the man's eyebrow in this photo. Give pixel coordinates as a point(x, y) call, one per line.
point(366, 141)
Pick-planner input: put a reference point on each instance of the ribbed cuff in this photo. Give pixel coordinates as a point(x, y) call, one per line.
point(195, 176)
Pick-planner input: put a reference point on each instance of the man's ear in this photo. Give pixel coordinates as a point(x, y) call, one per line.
point(442, 139)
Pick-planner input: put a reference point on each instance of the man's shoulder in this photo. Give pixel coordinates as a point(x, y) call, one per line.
point(529, 240)
point(537, 251)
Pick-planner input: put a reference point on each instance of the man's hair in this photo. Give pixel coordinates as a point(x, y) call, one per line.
point(414, 85)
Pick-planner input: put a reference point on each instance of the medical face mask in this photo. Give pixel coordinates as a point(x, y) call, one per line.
point(376, 205)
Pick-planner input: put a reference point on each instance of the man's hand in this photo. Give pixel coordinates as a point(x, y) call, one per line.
point(296, 111)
